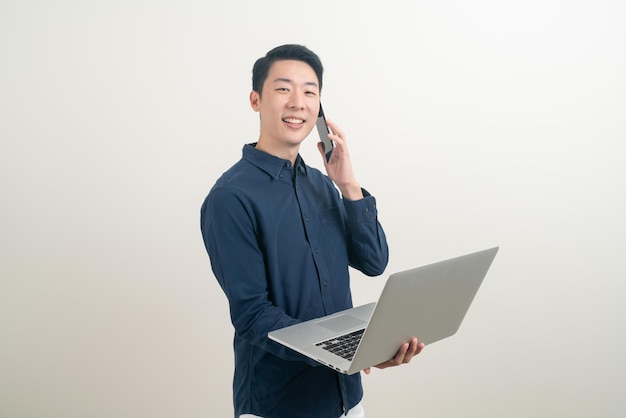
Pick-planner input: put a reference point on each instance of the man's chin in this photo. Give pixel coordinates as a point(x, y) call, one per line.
point(295, 142)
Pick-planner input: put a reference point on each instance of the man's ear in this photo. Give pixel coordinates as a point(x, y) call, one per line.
point(255, 100)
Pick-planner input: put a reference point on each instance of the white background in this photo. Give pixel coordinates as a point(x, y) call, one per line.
point(473, 123)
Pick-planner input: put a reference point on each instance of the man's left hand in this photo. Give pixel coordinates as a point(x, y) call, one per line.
point(404, 355)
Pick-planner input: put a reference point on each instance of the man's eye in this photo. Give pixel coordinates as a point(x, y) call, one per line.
point(311, 93)
point(282, 89)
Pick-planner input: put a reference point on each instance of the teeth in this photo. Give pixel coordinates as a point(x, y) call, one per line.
point(293, 120)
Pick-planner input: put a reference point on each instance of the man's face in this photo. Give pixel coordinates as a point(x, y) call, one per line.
point(288, 106)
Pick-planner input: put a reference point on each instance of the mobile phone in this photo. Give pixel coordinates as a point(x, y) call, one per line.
point(323, 131)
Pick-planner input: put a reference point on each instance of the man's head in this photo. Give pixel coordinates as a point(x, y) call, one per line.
point(286, 94)
point(284, 52)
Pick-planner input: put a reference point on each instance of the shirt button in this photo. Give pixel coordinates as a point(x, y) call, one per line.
point(325, 283)
point(317, 250)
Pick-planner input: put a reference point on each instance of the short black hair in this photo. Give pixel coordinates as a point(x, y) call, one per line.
point(284, 52)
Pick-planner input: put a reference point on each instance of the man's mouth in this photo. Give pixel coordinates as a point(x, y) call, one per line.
point(295, 121)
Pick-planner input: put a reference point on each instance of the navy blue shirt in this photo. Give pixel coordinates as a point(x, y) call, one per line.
point(280, 239)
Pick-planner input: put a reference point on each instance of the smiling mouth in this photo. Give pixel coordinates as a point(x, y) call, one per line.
point(293, 120)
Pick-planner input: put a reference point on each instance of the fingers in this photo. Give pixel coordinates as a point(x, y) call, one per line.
point(408, 351)
point(405, 354)
point(337, 134)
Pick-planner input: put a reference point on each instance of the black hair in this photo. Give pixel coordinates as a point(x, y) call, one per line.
point(284, 52)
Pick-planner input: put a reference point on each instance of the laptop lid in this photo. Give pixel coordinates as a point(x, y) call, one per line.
point(427, 302)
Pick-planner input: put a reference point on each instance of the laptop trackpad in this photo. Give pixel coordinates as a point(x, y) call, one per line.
point(341, 323)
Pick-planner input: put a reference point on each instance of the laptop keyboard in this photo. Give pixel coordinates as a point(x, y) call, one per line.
point(343, 346)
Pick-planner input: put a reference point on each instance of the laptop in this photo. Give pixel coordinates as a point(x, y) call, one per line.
point(427, 302)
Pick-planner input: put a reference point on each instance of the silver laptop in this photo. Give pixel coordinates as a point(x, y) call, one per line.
point(427, 302)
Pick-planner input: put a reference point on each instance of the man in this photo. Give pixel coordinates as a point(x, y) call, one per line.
point(280, 238)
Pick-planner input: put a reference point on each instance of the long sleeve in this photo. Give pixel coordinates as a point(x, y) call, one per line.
point(368, 251)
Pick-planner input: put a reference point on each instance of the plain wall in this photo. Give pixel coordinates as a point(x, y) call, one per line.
point(474, 124)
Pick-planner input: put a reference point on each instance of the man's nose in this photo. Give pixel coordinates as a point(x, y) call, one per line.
point(296, 101)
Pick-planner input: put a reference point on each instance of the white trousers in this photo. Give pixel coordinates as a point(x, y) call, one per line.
point(357, 412)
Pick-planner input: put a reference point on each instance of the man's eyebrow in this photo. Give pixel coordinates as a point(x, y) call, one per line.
point(288, 80)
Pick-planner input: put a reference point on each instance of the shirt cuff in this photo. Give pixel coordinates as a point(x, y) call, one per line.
point(362, 210)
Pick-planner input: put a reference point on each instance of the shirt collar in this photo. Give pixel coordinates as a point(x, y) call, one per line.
point(271, 164)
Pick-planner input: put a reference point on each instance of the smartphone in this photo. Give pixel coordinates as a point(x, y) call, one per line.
point(323, 131)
